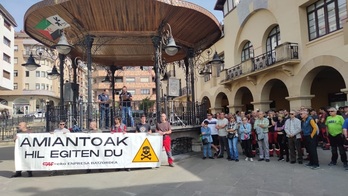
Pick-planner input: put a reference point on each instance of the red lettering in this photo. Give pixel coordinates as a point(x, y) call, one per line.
point(47, 163)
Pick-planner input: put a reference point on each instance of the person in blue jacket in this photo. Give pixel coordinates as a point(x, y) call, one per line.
point(206, 133)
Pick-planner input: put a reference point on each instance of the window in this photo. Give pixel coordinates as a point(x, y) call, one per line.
point(26, 73)
point(15, 86)
point(145, 91)
point(15, 73)
point(131, 91)
point(6, 74)
point(15, 60)
point(43, 86)
point(6, 58)
point(37, 73)
point(26, 86)
point(7, 24)
point(7, 42)
point(325, 16)
point(144, 79)
point(15, 48)
point(130, 79)
point(247, 52)
point(129, 68)
point(43, 74)
point(37, 86)
point(273, 39)
point(47, 87)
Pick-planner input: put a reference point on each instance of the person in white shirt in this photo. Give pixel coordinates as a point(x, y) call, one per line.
point(214, 132)
point(61, 128)
point(293, 133)
point(222, 127)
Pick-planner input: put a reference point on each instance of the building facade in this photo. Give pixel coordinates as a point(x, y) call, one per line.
point(7, 25)
point(138, 80)
point(31, 89)
point(279, 55)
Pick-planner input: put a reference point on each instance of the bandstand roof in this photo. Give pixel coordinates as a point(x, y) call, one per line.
point(123, 29)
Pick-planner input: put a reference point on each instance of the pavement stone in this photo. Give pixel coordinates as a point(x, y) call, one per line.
point(191, 176)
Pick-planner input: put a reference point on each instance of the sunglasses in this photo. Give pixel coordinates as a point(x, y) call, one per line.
point(292, 114)
point(61, 124)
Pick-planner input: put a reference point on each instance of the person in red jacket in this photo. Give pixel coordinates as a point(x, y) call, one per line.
point(165, 129)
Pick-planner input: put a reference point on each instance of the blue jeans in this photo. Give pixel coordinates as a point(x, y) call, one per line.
point(104, 116)
point(232, 143)
point(128, 111)
point(207, 150)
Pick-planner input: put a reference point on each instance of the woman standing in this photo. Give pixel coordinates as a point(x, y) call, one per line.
point(283, 144)
point(206, 135)
point(119, 127)
point(232, 136)
point(244, 131)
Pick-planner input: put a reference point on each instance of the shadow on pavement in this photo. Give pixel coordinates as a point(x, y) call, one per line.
point(7, 153)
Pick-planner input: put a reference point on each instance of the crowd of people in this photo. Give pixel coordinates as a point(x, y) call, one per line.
point(287, 135)
point(163, 128)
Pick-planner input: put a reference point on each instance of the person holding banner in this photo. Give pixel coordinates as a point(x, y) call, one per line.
point(165, 129)
point(22, 128)
point(93, 128)
point(143, 127)
point(61, 128)
point(119, 127)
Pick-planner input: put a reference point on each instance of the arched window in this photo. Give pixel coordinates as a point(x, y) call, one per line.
point(247, 52)
point(273, 39)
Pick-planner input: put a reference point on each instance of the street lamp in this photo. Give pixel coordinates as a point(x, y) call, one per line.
point(31, 65)
point(164, 40)
point(170, 46)
point(63, 47)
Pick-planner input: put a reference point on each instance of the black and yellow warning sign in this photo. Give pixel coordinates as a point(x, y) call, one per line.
point(146, 153)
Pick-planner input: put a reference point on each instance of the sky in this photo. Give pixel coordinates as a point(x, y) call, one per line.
point(17, 8)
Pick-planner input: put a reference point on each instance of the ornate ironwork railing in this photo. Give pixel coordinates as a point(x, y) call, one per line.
point(179, 113)
point(284, 52)
point(181, 145)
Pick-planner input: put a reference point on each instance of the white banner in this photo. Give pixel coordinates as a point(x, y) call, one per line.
point(45, 151)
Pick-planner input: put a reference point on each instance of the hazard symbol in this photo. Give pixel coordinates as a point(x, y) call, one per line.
point(146, 153)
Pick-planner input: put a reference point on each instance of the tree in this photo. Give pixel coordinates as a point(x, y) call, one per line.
point(146, 104)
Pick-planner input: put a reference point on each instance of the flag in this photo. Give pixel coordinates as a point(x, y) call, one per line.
point(49, 30)
point(51, 27)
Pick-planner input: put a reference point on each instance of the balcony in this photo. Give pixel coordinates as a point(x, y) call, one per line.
point(184, 91)
point(134, 85)
point(283, 57)
point(39, 92)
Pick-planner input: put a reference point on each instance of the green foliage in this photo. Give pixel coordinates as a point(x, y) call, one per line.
point(146, 104)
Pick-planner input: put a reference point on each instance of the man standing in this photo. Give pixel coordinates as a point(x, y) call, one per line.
point(222, 128)
point(310, 128)
point(22, 128)
point(165, 129)
point(261, 126)
point(293, 129)
point(334, 125)
point(125, 103)
point(104, 108)
point(214, 132)
point(61, 128)
point(93, 128)
point(143, 127)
